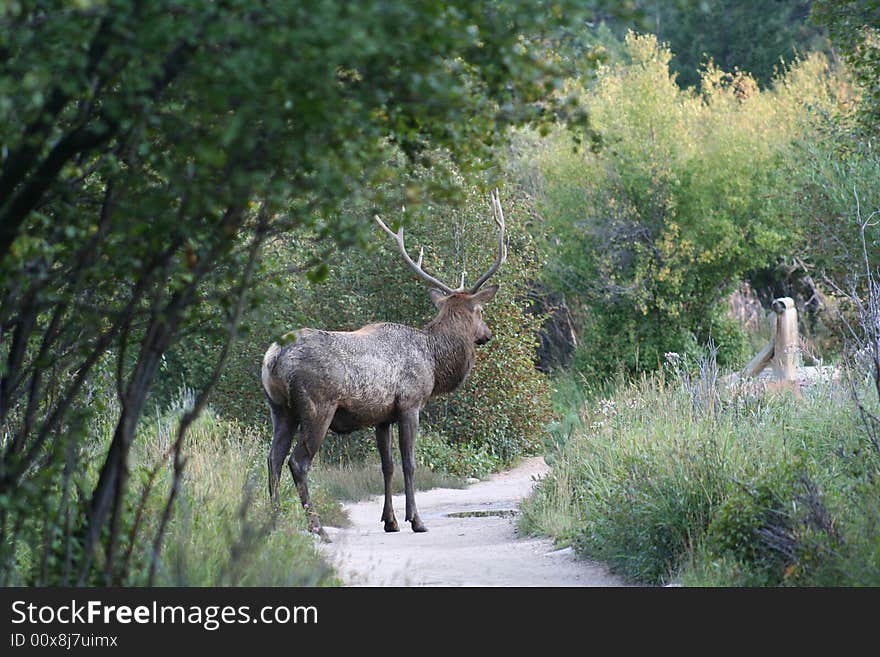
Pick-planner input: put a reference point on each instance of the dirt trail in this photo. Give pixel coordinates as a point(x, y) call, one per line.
point(480, 550)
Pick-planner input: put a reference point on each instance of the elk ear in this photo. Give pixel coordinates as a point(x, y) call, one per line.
point(437, 296)
point(486, 294)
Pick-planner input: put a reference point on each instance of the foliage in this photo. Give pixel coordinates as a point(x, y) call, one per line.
point(150, 150)
point(745, 35)
point(752, 35)
point(458, 459)
point(775, 527)
point(764, 490)
point(795, 503)
point(854, 28)
point(652, 229)
point(832, 191)
point(225, 531)
point(836, 182)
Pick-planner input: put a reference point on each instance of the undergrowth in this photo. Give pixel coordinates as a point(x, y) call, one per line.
point(668, 480)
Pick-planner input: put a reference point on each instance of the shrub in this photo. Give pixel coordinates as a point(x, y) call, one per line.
point(504, 405)
point(650, 231)
point(748, 491)
point(460, 460)
point(642, 478)
point(222, 531)
point(754, 528)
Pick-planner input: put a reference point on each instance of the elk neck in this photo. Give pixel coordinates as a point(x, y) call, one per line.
point(451, 343)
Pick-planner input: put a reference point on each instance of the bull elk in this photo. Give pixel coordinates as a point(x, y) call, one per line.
point(376, 376)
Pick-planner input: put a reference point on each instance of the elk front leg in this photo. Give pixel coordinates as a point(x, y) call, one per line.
point(408, 426)
point(383, 442)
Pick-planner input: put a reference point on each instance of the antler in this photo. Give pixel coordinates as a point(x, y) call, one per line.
point(417, 266)
point(502, 247)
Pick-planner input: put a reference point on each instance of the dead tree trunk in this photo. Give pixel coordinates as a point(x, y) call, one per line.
point(782, 351)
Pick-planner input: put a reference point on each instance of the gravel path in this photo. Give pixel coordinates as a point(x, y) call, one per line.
point(475, 550)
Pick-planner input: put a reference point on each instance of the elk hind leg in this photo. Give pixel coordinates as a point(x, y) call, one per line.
point(407, 427)
point(383, 442)
point(283, 426)
point(314, 428)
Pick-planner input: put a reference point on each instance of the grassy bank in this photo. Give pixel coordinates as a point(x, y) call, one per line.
point(668, 481)
point(223, 531)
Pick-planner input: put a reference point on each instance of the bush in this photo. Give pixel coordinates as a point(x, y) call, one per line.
point(755, 528)
point(504, 406)
point(641, 477)
point(757, 491)
point(222, 531)
point(649, 231)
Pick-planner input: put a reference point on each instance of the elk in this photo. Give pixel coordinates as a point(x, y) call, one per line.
point(376, 376)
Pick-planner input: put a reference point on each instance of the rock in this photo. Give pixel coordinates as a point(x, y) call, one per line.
point(564, 552)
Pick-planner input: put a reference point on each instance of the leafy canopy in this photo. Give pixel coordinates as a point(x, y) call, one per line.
point(148, 150)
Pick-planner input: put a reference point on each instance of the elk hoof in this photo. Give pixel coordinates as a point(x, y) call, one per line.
point(391, 525)
point(418, 526)
point(315, 526)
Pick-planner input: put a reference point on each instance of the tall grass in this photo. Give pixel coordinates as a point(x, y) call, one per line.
point(752, 489)
point(223, 531)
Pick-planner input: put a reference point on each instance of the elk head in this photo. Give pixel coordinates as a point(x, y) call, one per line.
point(460, 307)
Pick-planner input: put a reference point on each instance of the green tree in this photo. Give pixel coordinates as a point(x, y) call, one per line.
point(854, 28)
point(149, 150)
point(754, 36)
point(651, 230)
